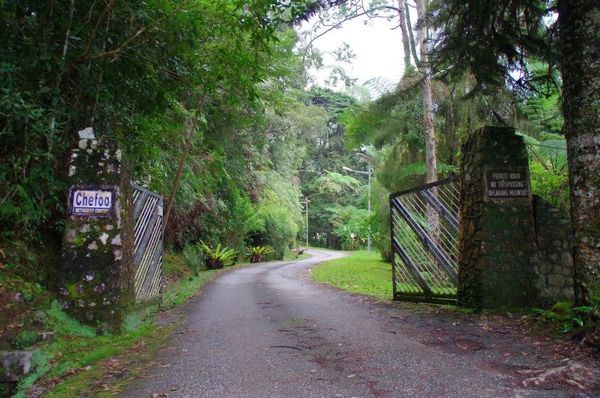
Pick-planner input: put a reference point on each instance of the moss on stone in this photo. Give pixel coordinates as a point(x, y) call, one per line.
point(96, 273)
point(496, 241)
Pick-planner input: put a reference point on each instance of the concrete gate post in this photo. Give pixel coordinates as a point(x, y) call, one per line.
point(497, 239)
point(97, 258)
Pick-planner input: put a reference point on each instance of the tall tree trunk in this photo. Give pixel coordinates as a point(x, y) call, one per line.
point(405, 38)
point(579, 22)
point(189, 129)
point(428, 121)
point(413, 46)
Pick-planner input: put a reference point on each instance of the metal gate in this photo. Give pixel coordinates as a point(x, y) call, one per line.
point(424, 234)
point(148, 248)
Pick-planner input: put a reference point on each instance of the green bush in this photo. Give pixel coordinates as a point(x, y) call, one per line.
point(219, 256)
point(30, 188)
point(570, 318)
point(351, 226)
point(548, 169)
point(258, 254)
point(25, 339)
point(277, 216)
point(194, 257)
point(551, 184)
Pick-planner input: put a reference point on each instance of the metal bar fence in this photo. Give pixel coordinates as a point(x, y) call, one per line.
point(424, 234)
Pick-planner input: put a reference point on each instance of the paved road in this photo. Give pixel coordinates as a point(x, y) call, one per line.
point(268, 331)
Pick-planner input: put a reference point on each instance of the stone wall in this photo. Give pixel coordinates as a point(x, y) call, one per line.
point(97, 261)
point(514, 250)
point(554, 265)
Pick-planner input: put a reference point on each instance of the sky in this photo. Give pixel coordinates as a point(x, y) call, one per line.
point(377, 47)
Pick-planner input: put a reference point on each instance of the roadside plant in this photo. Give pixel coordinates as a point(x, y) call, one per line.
point(257, 254)
point(194, 257)
point(585, 320)
point(25, 339)
point(217, 257)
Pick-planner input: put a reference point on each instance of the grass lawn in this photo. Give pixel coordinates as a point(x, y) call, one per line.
point(358, 273)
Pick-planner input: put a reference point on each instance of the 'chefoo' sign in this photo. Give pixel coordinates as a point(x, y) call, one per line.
point(91, 202)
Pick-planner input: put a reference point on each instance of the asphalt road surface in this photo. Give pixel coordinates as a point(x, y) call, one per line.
point(268, 331)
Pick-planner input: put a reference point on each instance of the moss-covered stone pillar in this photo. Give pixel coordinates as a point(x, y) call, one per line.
point(97, 262)
point(497, 238)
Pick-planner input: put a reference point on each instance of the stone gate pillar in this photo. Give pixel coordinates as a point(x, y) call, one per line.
point(497, 249)
point(97, 263)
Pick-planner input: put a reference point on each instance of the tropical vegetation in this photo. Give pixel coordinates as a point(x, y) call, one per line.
point(213, 108)
point(258, 254)
point(218, 256)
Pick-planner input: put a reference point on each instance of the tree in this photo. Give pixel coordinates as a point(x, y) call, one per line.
point(403, 14)
point(67, 65)
point(138, 71)
point(579, 43)
point(494, 40)
point(428, 117)
point(320, 172)
point(391, 10)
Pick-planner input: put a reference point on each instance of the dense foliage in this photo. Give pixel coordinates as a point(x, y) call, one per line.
point(208, 101)
point(391, 126)
point(337, 215)
point(198, 94)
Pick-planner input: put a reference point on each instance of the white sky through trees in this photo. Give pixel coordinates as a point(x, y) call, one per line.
point(377, 48)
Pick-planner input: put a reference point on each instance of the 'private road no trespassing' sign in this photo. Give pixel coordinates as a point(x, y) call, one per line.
point(507, 184)
point(91, 202)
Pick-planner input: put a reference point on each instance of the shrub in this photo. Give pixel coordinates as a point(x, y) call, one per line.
point(552, 185)
point(219, 256)
point(570, 318)
point(193, 257)
point(25, 339)
point(257, 254)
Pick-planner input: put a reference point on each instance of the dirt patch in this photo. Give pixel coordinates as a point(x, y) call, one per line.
point(536, 358)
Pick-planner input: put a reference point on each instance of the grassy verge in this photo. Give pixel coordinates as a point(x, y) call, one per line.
point(358, 273)
point(78, 362)
point(182, 282)
point(72, 364)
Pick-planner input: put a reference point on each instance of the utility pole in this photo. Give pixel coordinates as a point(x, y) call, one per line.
point(368, 173)
point(305, 203)
point(369, 212)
